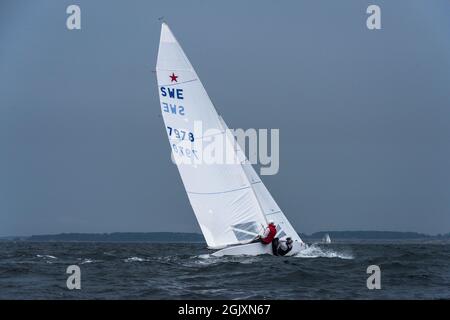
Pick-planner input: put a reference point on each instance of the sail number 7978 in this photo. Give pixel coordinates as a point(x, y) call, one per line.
point(180, 134)
point(186, 152)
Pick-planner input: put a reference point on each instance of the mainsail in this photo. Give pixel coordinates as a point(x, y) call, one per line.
point(229, 200)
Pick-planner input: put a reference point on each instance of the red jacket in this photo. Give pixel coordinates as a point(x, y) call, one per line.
point(271, 235)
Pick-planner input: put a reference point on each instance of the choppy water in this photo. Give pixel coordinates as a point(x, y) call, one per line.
point(187, 271)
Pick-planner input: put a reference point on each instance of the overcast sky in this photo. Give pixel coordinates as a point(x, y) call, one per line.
point(364, 116)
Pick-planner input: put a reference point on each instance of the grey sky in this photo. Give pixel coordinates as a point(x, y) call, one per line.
point(364, 116)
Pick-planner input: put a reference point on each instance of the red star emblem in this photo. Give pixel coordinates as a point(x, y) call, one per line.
point(173, 77)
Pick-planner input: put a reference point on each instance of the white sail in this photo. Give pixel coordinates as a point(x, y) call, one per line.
point(229, 200)
point(220, 194)
point(268, 205)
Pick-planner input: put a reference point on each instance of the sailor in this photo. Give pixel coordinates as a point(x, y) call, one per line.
point(269, 233)
point(282, 246)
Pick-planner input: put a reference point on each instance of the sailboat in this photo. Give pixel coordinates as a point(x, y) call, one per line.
point(230, 201)
point(326, 239)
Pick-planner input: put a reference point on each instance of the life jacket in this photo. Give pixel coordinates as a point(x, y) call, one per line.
point(271, 235)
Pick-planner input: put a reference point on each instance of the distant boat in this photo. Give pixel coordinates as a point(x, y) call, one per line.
point(326, 238)
point(230, 201)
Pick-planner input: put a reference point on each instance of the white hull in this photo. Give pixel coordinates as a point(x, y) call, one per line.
point(255, 249)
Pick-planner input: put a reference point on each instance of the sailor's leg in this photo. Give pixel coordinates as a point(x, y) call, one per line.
point(282, 252)
point(275, 246)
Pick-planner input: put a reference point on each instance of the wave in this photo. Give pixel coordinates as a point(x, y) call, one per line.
point(315, 251)
point(46, 256)
point(85, 261)
point(236, 258)
point(210, 260)
point(135, 259)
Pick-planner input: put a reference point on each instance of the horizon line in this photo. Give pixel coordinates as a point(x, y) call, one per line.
point(199, 233)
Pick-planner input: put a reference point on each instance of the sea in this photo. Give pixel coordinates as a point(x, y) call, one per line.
point(407, 270)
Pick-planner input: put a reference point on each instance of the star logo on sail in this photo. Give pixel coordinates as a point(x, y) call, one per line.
point(173, 77)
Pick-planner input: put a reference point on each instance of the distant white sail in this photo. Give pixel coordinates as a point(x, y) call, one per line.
point(229, 200)
point(326, 238)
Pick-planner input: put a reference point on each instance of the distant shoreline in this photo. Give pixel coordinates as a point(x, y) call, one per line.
point(186, 237)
